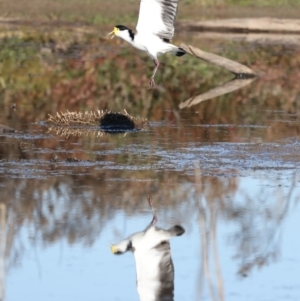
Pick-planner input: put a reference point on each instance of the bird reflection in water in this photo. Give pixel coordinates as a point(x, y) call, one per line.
point(154, 265)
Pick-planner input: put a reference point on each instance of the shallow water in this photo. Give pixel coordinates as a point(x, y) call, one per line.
point(226, 169)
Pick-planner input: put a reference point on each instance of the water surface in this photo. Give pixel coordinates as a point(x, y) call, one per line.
point(226, 169)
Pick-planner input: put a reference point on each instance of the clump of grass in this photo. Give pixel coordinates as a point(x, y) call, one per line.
point(106, 120)
point(66, 132)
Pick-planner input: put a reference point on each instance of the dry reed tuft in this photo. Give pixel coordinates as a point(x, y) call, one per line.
point(76, 123)
point(66, 132)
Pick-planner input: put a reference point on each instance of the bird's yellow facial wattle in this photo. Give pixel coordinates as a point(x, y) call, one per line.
point(113, 249)
point(114, 32)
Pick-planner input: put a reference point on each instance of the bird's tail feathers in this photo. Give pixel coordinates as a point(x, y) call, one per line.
point(177, 230)
point(179, 51)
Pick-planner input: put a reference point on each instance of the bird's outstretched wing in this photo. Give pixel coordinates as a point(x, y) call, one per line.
point(157, 17)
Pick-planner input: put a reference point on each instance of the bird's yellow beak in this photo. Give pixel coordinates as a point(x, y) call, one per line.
point(113, 249)
point(114, 32)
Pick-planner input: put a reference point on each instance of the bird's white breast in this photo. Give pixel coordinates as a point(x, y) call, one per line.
point(152, 44)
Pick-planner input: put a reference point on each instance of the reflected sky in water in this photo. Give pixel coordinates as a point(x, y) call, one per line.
point(62, 271)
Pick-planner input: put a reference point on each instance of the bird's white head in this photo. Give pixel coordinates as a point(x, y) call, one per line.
point(122, 32)
point(122, 247)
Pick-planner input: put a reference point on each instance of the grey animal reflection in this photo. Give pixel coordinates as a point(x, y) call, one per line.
point(154, 265)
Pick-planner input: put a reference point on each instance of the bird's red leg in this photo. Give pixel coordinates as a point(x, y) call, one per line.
point(151, 82)
point(154, 220)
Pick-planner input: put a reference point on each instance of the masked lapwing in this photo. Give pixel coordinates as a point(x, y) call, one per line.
point(155, 29)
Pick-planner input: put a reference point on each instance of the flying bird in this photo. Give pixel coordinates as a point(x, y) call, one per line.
point(155, 29)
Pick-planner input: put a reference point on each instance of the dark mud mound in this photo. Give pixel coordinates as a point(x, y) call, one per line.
point(117, 122)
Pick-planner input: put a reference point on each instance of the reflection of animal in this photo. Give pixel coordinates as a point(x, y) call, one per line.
point(155, 29)
point(154, 265)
